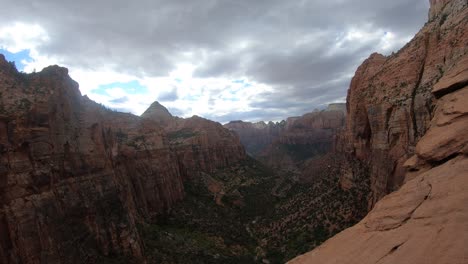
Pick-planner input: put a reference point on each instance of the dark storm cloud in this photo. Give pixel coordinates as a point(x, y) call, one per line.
point(175, 111)
point(168, 96)
point(289, 45)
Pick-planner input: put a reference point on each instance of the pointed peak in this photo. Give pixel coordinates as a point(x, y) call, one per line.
point(158, 112)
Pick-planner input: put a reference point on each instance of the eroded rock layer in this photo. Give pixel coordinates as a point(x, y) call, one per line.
point(76, 178)
point(425, 221)
point(390, 103)
point(289, 143)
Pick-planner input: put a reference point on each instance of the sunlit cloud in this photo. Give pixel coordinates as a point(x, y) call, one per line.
point(223, 60)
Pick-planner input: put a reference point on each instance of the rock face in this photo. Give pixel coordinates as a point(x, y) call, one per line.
point(76, 178)
point(304, 137)
point(158, 113)
point(425, 220)
point(390, 104)
point(287, 143)
point(202, 145)
point(256, 136)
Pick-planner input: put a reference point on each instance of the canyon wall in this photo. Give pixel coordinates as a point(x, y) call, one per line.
point(287, 144)
point(76, 178)
point(390, 104)
point(256, 136)
point(199, 144)
point(408, 120)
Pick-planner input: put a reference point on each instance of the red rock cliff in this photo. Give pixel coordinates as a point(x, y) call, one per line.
point(256, 136)
point(75, 178)
point(200, 145)
point(304, 136)
point(425, 221)
point(390, 103)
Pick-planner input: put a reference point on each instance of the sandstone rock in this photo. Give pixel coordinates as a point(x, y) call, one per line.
point(436, 7)
point(439, 7)
point(337, 107)
point(288, 143)
point(256, 136)
point(390, 101)
point(158, 113)
point(425, 220)
point(203, 145)
point(76, 178)
point(448, 133)
point(455, 78)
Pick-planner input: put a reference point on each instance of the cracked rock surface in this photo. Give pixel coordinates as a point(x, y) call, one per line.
point(416, 224)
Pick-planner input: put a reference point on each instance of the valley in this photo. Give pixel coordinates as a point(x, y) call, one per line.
point(381, 178)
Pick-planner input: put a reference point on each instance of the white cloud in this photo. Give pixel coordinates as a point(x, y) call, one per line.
point(293, 55)
point(21, 36)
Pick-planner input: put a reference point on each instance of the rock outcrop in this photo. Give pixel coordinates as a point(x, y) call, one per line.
point(425, 221)
point(200, 145)
point(305, 137)
point(158, 113)
point(390, 103)
point(76, 178)
point(256, 136)
point(287, 143)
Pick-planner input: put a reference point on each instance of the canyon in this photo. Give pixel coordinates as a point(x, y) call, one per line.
point(380, 179)
point(81, 183)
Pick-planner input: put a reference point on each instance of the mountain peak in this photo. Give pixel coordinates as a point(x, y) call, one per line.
point(157, 112)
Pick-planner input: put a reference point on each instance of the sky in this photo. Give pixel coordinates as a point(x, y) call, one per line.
point(221, 59)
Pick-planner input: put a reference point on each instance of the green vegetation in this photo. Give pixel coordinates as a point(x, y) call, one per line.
point(302, 152)
point(249, 223)
point(137, 142)
point(167, 244)
point(23, 104)
point(198, 230)
point(443, 19)
point(181, 134)
point(121, 136)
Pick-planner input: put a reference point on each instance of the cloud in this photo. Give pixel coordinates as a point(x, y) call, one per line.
point(292, 56)
point(120, 100)
point(168, 96)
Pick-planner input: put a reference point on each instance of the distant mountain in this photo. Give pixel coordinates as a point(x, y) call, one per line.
point(287, 144)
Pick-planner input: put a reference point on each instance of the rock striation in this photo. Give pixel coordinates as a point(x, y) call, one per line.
point(390, 103)
point(76, 178)
point(425, 220)
point(285, 144)
point(256, 136)
point(200, 145)
point(305, 137)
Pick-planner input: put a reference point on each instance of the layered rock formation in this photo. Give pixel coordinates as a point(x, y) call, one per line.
point(256, 136)
point(200, 145)
point(288, 143)
point(425, 220)
point(305, 137)
point(390, 103)
point(76, 178)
